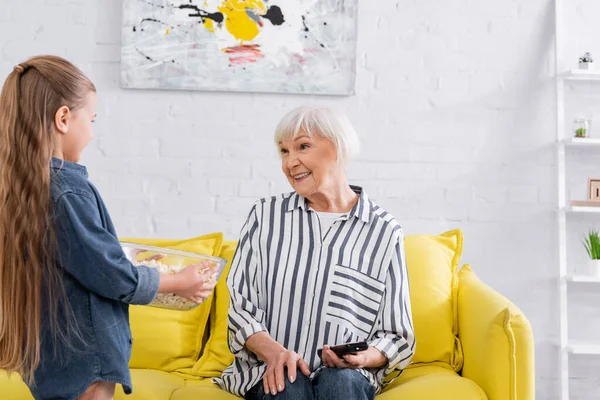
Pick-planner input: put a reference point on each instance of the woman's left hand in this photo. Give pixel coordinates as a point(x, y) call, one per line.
point(370, 358)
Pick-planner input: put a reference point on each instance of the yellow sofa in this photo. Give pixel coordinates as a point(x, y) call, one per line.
point(472, 343)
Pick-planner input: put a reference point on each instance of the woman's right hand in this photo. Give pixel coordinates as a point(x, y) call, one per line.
point(274, 380)
point(195, 285)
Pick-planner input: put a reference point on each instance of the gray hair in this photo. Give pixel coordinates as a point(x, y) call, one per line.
point(326, 122)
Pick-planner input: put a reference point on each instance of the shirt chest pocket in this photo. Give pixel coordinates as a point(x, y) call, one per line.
point(354, 300)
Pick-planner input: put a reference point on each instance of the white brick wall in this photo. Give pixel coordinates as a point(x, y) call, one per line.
point(454, 106)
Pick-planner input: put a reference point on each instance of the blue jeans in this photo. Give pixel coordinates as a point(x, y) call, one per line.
point(328, 384)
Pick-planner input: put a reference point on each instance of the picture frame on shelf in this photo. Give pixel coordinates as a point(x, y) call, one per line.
point(594, 190)
point(593, 195)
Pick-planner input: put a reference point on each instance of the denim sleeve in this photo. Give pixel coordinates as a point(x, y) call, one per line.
point(94, 256)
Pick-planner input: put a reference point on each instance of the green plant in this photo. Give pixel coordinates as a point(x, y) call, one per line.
point(580, 132)
point(591, 243)
point(586, 58)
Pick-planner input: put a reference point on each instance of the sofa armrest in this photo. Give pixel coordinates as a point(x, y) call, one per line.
point(496, 339)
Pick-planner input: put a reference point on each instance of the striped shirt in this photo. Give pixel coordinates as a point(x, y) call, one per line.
point(307, 287)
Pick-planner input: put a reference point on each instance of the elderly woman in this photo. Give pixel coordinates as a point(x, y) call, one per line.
point(318, 267)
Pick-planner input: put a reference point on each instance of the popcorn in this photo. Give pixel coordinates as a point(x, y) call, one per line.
point(171, 261)
point(171, 300)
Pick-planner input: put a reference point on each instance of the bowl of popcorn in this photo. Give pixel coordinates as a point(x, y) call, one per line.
point(168, 261)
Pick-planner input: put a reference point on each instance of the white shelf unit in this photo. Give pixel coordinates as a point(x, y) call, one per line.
point(581, 75)
point(587, 348)
point(579, 142)
point(583, 279)
point(580, 209)
point(567, 346)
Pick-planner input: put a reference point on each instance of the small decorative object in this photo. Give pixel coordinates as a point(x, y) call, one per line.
point(581, 127)
point(594, 189)
point(586, 61)
point(591, 242)
point(593, 195)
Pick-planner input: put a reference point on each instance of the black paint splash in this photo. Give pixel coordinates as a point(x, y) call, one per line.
point(152, 20)
point(308, 30)
point(152, 4)
point(274, 15)
point(304, 23)
point(145, 56)
point(217, 17)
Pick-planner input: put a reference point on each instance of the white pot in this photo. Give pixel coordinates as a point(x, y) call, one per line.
point(593, 267)
point(585, 65)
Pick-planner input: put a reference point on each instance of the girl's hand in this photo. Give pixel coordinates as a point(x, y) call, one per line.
point(274, 381)
point(370, 358)
point(196, 282)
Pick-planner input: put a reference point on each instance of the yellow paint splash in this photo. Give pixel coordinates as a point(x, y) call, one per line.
point(167, 32)
point(237, 21)
point(209, 25)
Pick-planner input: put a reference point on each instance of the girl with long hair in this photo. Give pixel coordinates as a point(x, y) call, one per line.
point(65, 282)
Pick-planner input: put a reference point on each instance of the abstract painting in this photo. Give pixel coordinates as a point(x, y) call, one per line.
point(283, 46)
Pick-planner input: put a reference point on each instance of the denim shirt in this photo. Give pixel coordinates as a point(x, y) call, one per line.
point(100, 283)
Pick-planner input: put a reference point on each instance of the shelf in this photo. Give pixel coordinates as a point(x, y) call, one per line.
point(584, 347)
point(580, 209)
point(582, 75)
point(583, 279)
point(582, 142)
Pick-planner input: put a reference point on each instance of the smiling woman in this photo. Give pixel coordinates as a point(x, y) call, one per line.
point(327, 123)
point(323, 265)
point(316, 145)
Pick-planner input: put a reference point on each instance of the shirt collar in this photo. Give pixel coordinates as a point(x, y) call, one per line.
point(59, 164)
point(361, 210)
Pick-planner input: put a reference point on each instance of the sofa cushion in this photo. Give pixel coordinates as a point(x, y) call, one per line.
point(216, 355)
point(171, 340)
point(431, 382)
point(432, 262)
point(204, 389)
point(13, 387)
point(151, 385)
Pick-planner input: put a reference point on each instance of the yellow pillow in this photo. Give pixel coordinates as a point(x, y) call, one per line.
point(171, 340)
point(216, 356)
point(432, 262)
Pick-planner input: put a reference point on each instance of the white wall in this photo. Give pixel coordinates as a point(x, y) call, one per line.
point(454, 106)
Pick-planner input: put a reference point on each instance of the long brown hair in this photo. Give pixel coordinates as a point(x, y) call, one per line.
point(30, 280)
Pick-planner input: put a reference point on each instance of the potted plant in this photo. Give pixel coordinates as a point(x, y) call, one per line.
point(580, 133)
point(585, 61)
point(591, 242)
point(581, 127)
